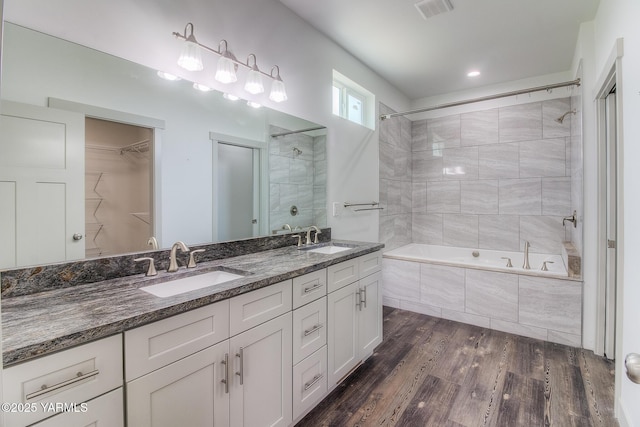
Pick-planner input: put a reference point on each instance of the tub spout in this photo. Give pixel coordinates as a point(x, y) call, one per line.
point(526, 265)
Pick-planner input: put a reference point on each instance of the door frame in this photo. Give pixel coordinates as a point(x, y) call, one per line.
point(156, 125)
point(261, 168)
point(610, 78)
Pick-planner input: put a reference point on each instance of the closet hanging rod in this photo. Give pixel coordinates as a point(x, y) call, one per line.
point(575, 82)
point(275, 135)
point(136, 147)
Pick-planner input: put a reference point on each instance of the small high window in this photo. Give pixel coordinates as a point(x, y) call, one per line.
point(352, 102)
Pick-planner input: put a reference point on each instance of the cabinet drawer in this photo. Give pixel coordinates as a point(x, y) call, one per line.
point(256, 307)
point(340, 275)
point(369, 264)
point(157, 344)
point(74, 375)
point(309, 329)
point(309, 382)
point(309, 287)
point(106, 410)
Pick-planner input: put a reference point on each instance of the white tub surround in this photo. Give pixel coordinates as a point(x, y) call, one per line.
point(451, 283)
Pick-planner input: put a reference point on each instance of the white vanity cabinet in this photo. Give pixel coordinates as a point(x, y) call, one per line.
point(354, 312)
point(226, 364)
point(73, 377)
point(174, 369)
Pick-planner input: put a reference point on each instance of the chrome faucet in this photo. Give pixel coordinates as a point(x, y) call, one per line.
point(173, 263)
point(526, 265)
point(313, 227)
point(153, 242)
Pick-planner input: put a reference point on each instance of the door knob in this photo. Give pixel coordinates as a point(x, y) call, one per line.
point(77, 236)
point(632, 363)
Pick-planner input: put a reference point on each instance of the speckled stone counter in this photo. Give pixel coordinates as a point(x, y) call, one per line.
point(56, 318)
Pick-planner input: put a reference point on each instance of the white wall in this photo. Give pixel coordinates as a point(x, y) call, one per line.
point(619, 19)
point(141, 31)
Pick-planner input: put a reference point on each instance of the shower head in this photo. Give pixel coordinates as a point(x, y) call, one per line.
point(561, 118)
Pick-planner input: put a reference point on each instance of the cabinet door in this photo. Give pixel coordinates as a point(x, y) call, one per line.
point(342, 334)
point(106, 410)
point(262, 375)
point(370, 314)
point(189, 392)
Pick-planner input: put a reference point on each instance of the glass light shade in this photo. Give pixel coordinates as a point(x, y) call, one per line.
point(226, 71)
point(190, 58)
point(253, 104)
point(278, 93)
point(168, 76)
point(230, 97)
point(254, 82)
point(202, 87)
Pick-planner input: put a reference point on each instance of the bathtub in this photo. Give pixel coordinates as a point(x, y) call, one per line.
point(485, 259)
point(481, 290)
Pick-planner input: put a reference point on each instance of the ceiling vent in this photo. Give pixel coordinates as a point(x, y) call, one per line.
point(429, 8)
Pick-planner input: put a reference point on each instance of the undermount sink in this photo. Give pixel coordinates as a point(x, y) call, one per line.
point(191, 283)
point(327, 249)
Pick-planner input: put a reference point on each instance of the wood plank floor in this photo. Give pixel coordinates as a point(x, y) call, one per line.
point(435, 372)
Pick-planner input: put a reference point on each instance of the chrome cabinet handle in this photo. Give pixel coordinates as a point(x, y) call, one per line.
point(77, 236)
point(225, 380)
point(311, 383)
point(363, 291)
point(312, 330)
point(44, 389)
point(312, 288)
point(359, 302)
point(241, 372)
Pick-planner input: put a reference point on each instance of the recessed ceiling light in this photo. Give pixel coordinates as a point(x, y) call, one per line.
point(168, 76)
point(474, 73)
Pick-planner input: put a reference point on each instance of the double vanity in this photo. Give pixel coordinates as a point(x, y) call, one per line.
point(260, 338)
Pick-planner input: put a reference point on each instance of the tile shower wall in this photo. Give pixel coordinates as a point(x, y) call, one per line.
point(297, 176)
point(488, 179)
point(396, 187)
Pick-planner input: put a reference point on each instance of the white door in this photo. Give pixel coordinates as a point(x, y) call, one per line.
point(342, 333)
point(41, 185)
point(611, 224)
point(370, 314)
point(261, 387)
point(189, 392)
point(237, 192)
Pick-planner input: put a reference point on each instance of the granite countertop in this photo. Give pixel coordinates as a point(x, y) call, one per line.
point(41, 323)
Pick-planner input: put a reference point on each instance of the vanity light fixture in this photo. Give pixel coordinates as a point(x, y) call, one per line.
point(227, 67)
point(254, 85)
point(202, 87)
point(191, 60)
point(168, 76)
point(278, 93)
point(253, 104)
point(230, 96)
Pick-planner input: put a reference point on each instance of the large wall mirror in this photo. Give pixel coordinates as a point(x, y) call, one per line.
point(99, 154)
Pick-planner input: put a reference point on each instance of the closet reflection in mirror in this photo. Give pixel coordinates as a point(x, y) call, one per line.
point(180, 163)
